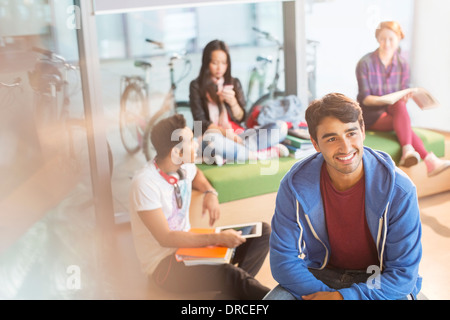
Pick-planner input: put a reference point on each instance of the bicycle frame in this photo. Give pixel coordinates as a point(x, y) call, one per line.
point(135, 117)
point(273, 87)
point(144, 82)
point(169, 102)
point(73, 147)
point(258, 75)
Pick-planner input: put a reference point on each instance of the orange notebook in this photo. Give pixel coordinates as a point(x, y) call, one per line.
point(204, 255)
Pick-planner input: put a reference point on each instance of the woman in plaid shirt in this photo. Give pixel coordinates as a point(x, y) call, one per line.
point(382, 72)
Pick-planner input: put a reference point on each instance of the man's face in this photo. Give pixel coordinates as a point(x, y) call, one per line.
point(341, 145)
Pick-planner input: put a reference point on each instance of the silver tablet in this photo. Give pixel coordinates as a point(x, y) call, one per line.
point(249, 230)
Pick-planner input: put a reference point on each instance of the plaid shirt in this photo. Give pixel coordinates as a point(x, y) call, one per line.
point(377, 80)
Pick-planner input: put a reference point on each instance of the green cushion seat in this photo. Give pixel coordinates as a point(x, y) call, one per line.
point(239, 181)
point(387, 142)
point(244, 180)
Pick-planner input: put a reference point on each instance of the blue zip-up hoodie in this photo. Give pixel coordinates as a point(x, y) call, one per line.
point(299, 237)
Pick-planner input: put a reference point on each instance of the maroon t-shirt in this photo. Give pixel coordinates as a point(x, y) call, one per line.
point(352, 246)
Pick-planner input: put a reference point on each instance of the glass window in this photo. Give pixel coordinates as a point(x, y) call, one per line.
point(46, 201)
point(341, 37)
point(182, 31)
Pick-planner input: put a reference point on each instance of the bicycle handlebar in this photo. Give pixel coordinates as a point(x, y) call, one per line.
point(44, 52)
point(264, 33)
point(267, 35)
point(180, 56)
point(17, 82)
point(157, 43)
point(51, 55)
point(187, 65)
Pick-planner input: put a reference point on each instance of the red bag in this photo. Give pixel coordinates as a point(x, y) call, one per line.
point(252, 119)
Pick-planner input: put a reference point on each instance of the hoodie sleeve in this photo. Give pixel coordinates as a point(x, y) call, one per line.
point(288, 268)
point(402, 252)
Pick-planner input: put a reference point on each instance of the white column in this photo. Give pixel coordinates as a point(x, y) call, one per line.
point(430, 61)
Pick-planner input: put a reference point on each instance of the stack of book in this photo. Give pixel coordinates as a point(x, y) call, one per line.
point(216, 254)
point(299, 147)
point(204, 255)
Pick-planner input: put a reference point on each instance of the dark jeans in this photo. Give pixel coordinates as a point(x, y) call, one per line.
point(333, 278)
point(234, 280)
point(338, 278)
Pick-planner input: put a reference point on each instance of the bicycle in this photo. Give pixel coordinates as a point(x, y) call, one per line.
point(258, 74)
point(135, 119)
point(61, 135)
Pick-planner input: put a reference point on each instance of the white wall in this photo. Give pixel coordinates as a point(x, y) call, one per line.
point(346, 32)
point(430, 61)
point(345, 29)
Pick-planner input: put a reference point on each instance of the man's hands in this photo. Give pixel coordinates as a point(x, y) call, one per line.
point(230, 238)
point(324, 295)
point(211, 205)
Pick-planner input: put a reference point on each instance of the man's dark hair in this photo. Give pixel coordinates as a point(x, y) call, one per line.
point(161, 135)
point(334, 105)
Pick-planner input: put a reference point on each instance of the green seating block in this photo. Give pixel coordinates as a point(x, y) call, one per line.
point(387, 142)
point(239, 181)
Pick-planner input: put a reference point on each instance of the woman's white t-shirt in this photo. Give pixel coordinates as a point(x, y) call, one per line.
point(149, 191)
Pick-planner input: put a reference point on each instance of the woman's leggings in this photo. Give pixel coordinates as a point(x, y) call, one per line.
point(397, 118)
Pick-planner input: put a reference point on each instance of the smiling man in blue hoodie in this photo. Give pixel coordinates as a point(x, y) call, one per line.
point(346, 222)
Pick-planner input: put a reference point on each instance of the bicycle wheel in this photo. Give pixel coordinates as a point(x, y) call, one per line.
point(133, 115)
point(184, 108)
